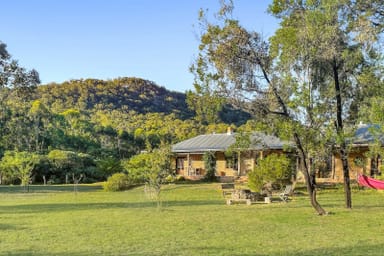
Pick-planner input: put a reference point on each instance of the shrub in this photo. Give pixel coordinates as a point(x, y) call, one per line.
point(271, 169)
point(210, 166)
point(117, 182)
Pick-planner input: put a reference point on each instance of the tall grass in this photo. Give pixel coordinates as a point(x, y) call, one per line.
point(193, 220)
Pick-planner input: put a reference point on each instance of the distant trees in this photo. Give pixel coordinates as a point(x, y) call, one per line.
point(88, 129)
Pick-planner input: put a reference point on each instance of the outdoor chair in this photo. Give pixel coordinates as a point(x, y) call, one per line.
point(288, 191)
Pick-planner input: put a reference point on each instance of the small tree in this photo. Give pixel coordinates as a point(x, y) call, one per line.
point(268, 170)
point(153, 168)
point(19, 165)
point(210, 165)
point(160, 168)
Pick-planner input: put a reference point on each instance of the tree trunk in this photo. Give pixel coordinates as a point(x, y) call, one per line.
point(340, 134)
point(347, 187)
point(309, 179)
point(76, 182)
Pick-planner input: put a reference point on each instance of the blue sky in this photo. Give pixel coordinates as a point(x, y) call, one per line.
point(105, 39)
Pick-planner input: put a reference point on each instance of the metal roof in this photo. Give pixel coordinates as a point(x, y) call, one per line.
point(222, 141)
point(368, 133)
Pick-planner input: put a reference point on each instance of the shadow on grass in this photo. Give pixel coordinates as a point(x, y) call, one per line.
point(364, 248)
point(359, 249)
point(61, 207)
point(6, 227)
point(48, 189)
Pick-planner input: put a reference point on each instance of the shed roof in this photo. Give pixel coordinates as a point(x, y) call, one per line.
point(222, 141)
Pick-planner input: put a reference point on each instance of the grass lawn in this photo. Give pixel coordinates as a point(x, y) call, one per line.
point(194, 220)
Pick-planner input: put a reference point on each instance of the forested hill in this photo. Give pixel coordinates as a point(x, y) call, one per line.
point(139, 95)
point(94, 126)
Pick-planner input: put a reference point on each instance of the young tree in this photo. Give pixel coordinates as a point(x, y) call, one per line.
point(160, 169)
point(19, 165)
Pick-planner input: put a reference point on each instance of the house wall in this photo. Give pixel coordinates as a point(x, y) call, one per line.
point(194, 165)
point(221, 168)
point(356, 156)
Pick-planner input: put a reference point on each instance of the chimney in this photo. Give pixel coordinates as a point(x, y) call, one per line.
point(229, 130)
point(361, 124)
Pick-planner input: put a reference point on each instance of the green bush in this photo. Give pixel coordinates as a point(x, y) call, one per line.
point(269, 170)
point(209, 159)
point(117, 182)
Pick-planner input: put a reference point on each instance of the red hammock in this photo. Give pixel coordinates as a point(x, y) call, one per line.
point(370, 182)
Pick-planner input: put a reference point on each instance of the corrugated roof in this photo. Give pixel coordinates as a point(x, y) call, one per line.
point(203, 143)
point(262, 141)
point(368, 133)
point(222, 141)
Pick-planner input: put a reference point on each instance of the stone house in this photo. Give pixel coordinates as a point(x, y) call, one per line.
point(235, 163)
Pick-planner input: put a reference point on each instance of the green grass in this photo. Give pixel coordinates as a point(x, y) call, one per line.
point(194, 220)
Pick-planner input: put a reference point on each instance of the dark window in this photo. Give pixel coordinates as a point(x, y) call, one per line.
point(180, 163)
point(231, 161)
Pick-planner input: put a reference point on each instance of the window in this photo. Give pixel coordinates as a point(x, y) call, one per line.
point(231, 161)
point(180, 163)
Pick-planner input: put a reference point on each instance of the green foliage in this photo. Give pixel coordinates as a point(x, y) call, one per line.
point(159, 170)
point(137, 167)
point(205, 104)
point(109, 121)
point(117, 182)
point(109, 165)
point(273, 168)
point(14, 76)
point(71, 164)
point(19, 165)
point(134, 94)
point(152, 168)
point(209, 159)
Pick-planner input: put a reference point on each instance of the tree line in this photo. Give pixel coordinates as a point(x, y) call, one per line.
point(88, 128)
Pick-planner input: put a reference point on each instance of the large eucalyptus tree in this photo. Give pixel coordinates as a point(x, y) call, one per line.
point(301, 81)
point(332, 46)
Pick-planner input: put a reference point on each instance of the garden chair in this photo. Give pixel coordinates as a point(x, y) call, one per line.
point(288, 191)
point(227, 188)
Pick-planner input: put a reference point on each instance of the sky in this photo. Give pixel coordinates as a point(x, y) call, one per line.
point(105, 39)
